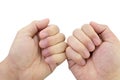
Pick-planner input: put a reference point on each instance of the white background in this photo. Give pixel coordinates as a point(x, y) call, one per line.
point(67, 14)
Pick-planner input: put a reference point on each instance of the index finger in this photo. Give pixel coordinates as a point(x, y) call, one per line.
point(49, 31)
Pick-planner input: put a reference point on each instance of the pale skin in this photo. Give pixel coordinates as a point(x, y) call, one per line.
point(94, 53)
point(36, 51)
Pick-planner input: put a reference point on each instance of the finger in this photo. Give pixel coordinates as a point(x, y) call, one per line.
point(36, 40)
point(34, 27)
point(78, 47)
point(55, 60)
point(56, 49)
point(104, 31)
point(76, 57)
point(89, 31)
point(49, 31)
point(52, 40)
point(71, 63)
point(81, 36)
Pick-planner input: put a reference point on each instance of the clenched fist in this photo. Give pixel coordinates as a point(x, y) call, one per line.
point(94, 53)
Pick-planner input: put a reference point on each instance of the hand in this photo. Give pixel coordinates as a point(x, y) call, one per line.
point(94, 53)
point(35, 52)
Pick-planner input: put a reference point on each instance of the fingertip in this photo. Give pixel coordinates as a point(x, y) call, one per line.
point(43, 34)
point(86, 54)
point(41, 24)
point(43, 43)
point(80, 61)
point(46, 20)
point(97, 41)
point(93, 23)
point(91, 47)
point(45, 53)
point(83, 62)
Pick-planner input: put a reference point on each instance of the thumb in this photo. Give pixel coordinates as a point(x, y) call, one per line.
point(105, 33)
point(34, 27)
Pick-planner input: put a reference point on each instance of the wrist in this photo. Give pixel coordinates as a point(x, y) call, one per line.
point(7, 72)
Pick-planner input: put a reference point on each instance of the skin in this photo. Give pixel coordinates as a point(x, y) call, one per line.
point(97, 54)
point(36, 51)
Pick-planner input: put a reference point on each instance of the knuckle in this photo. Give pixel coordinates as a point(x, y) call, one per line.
point(63, 45)
point(34, 22)
point(19, 32)
point(55, 27)
point(62, 36)
point(52, 29)
point(85, 26)
point(76, 31)
point(106, 26)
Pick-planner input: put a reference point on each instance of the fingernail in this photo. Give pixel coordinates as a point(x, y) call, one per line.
point(96, 41)
point(45, 53)
point(91, 47)
point(86, 53)
point(83, 62)
point(43, 43)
